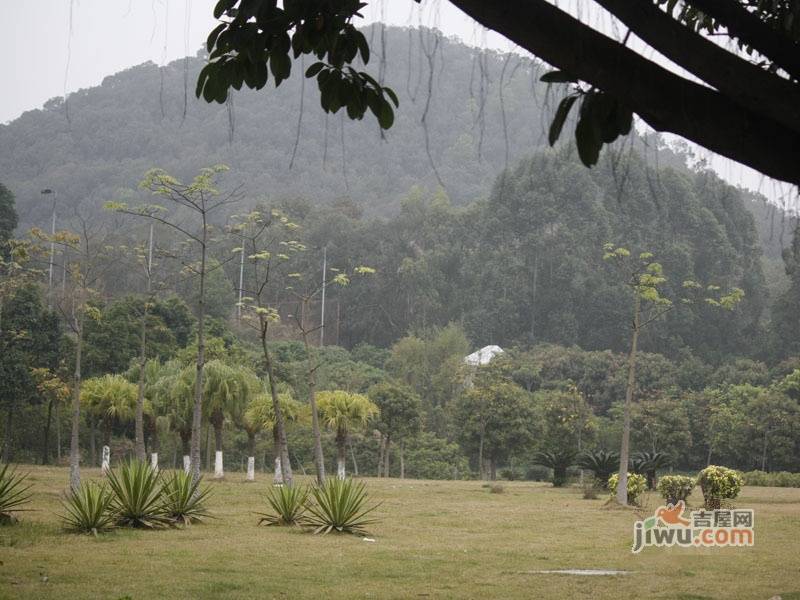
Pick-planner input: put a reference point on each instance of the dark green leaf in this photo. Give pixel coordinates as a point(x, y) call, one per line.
point(560, 117)
point(314, 69)
point(557, 77)
point(587, 141)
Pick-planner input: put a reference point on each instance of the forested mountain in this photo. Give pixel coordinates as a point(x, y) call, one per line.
point(525, 266)
point(480, 112)
point(509, 246)
point(105, 137)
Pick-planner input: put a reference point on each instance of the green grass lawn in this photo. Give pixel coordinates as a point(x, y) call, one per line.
point(448, 539)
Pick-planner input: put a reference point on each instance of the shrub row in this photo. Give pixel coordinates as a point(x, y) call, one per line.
point(778, 479)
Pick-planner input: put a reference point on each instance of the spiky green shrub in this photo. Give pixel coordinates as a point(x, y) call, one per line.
point(599, 462)
point(14, 493)
point(674, 488)
point(184, 501)
point(637, 484)
point(648, 463)
point(288, 504)
point(88, 509)
point(559, 460)
point(137, 499)
point(719, 483)
point(340, 505)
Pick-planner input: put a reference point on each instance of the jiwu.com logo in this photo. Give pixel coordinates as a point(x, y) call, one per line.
point(712, 528)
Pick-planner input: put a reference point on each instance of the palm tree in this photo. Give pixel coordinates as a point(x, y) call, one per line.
point(599, 462)
point(154, 413)
point(648, 463)
point(260, 415)
point(559, 459)
point(226, 391)
point(343, 412)
point(172, 395)
point(111, 399)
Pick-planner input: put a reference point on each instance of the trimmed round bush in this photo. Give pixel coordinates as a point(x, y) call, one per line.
point(637, 484)
point(719, 483)
point(674, 488)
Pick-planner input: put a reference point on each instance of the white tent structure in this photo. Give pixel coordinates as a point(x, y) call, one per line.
point(483, 356)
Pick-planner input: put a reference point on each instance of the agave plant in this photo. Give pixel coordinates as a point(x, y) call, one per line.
point(184, 501)
point(558, 460)
point(340, 506)
point(137, 498)
point(599, 462)
point(647, 463)
point(13, 493)
point(288, 505)
point(88, 509)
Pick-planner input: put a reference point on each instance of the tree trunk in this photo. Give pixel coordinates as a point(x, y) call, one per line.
point(492, 468)
point(105, 464)
point(622, 484)
point(279, 430)
point(251, 456)
point(341, 456)
point(197, 412)
point(107, 429)
point(381, 450)
point(402, 459)
point(764, 453)
point(481, 472)
point(319, 459)
point(386, 455)
point(217, 420)
point(58, 432)
point(708, 456)
point(7, 454)
point(75, 440)
point(92, 443)
point(208, 448)
point(139, 448)
point(353, 456)
point(278, 477)
point(46, 434)
point(186, 436)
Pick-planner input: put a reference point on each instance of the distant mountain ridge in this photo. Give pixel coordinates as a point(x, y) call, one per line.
point(485, 111)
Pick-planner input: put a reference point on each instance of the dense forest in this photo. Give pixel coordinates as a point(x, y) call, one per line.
point(500, 241)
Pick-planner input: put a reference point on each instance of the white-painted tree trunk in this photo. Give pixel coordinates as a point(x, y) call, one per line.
point(154, 461)
point(106, 464)
point(251, 468)
point(340, 469)
point(219, 472)
point(187, 463)
point(278, 478)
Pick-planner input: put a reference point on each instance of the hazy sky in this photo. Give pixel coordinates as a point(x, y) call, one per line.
point(57, 46)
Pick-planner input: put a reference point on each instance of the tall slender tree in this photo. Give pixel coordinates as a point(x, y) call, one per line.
point(645, 278)
point(269, 245)
point(201, 199)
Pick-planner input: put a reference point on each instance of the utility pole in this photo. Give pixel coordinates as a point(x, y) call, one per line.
point(241, 283)
point(322, 310)
point(48, 192)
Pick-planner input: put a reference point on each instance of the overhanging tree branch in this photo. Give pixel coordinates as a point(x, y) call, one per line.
point(744, 82)
point(754, 32)
point(663, 99)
